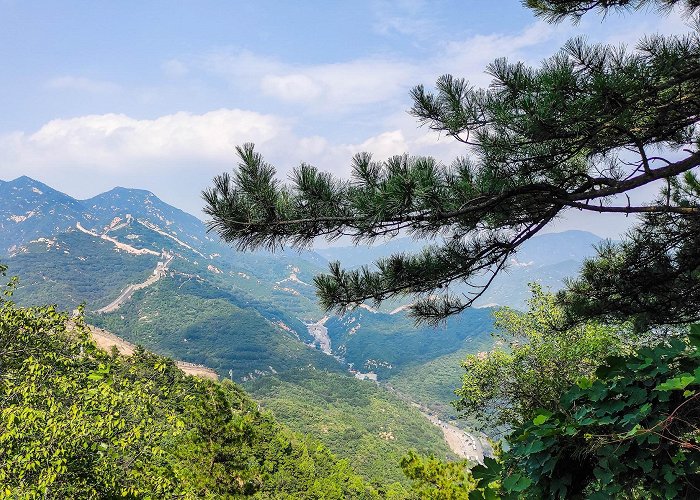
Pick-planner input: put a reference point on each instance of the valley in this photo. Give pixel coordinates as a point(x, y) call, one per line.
point(370, 385)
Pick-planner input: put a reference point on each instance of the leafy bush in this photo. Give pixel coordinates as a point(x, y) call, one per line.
point(632, 428)
point(535, 359)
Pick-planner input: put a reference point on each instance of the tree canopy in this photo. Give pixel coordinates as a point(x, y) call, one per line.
point(557, 10)
point(537, 359)
point(582, 131)
point(651, 278)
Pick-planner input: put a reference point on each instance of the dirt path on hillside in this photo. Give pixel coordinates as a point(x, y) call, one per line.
point(106, 340)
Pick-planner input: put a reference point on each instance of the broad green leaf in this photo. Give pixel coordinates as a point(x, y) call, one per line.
point(540, 419)
point(694, 336)
point(516, 483)
point(677, 383)
point(489, 471)
point(584, 382)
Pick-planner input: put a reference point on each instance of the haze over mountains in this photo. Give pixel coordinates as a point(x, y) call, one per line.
point(151, 274)
point(106, 251)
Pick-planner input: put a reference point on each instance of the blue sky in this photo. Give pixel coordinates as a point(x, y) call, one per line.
point(156, 95)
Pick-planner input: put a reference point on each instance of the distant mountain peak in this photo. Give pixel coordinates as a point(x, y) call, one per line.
point(30, 209)
point(124, 194)
point(25, 181)
point(119, 190)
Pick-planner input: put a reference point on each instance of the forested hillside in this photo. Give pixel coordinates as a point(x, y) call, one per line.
point(81, 423)
point(371, 428)
point(243, 314)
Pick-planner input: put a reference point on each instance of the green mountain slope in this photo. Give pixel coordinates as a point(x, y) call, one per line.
point(30, 209)
point(306, 389)
point(383, 342)
point(70, 268)
point(76, 422)
point(355, 419)
point(188, 318)
point(161, 281)
point(432, 384)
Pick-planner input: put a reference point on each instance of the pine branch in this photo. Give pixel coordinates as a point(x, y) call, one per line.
point(542, 140)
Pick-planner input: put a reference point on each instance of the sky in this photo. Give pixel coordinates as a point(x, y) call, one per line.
point(157, 94)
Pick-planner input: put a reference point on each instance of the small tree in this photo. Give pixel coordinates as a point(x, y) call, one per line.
point(536, 359)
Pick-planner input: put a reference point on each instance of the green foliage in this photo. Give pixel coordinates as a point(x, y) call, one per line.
point(76, 422)
point(557, 10)
point(74, 268)
point(630, 429)
point(433, 383)
point(652, 277)
point(437, 480)
point(195, 321)
point(386, 343)
point(356, 420)
point(575, 132)
point(535, 360)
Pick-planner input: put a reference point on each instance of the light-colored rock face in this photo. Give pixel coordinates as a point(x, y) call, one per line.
point(21, 218)
point(366, 376)
point(319, 332)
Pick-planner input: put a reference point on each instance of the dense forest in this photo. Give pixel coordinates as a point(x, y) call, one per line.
point(370, 428)
point(78, 422)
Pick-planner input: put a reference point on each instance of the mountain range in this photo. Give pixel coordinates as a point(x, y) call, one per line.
point(151, 274)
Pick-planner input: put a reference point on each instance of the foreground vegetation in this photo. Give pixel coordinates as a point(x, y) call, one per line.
point(76, 422)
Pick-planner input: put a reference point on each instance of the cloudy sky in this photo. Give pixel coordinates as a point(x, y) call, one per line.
point(157, 94)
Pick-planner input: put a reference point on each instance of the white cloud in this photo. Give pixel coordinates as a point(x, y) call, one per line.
point(342, 86)
point(369, 83)
point(335, 88)
point(174, 155)
point(82, 84)
point(385, 145)
point(382, 82)
point(186, 143)
point(117, 141)
point(469, 58)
